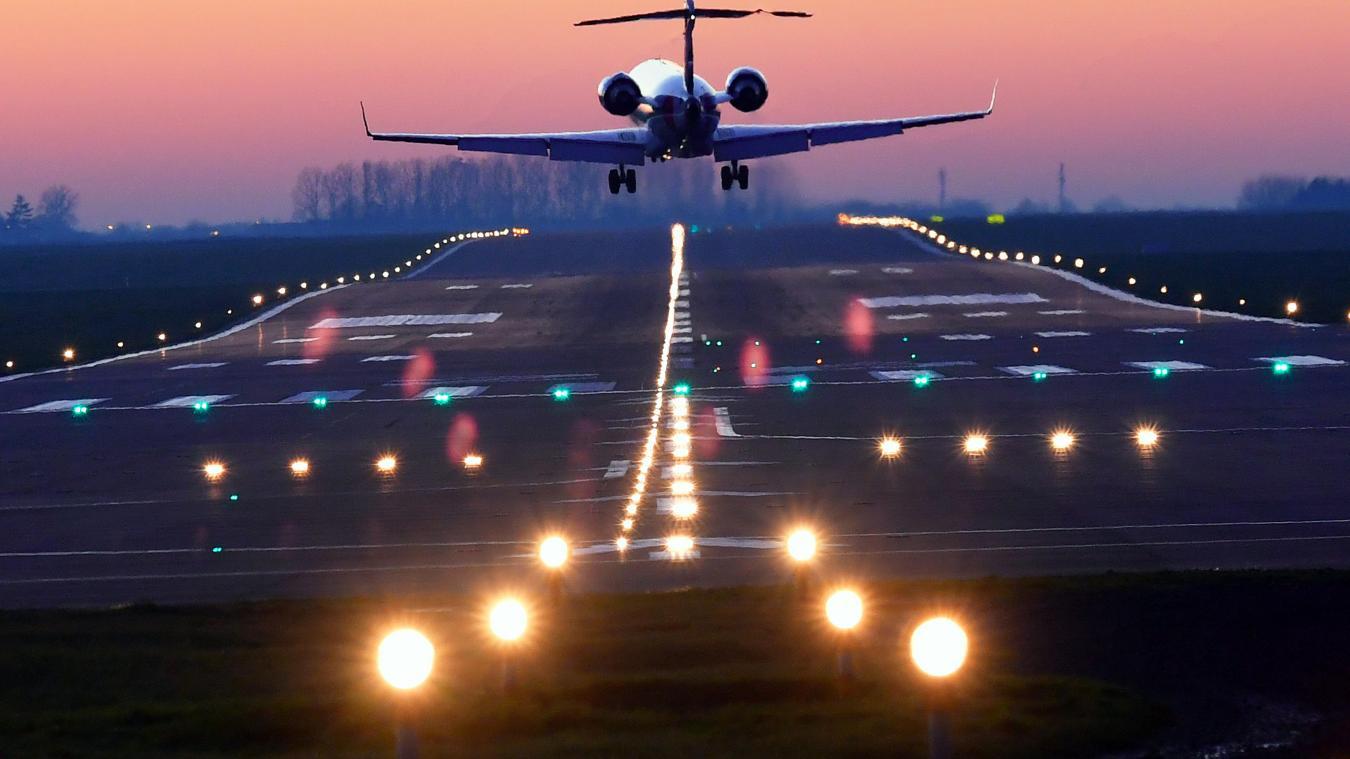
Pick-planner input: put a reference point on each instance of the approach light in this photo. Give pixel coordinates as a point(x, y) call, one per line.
point(684, 508)
point(631, 509)
point(299, 467)
point(386, 464)
point(976, 444)
point(939, 647)
point(197, 325)
point(1146, 437)
point(1197, 298)
point(1078, 263)
point(681, 470)
point(1132, 281)
point(473, 461)
point(281, 290)
point(889, 447)
point(681, 487)
point(844, 609)
point(621, 543)
point(213, 470)
point(9, 364)
point(553, 552)
point(1280, 367)
point(679, 406)
point(508, 620)
point(161, 337)
point(68, 354)
point(680, 425)
point(562, 393)
point(405, 658)
point(626, 524)
point(801, 545)
point(679, 546)
point(1061, 441)
point(800, 384)
point(257, 300)
point(1291, 307)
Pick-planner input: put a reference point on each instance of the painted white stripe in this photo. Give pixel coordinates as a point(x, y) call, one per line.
point(684, 293)
point(55, 406)
point(682, 304)
point(372, 337)
point(467, 391)
point(966, 337)
point(371, 359)
point(583, 387)
point(685, 330)
point(518, 286)
point(722, 420)
point(896, 270)
point(293, 362)
point(1171, 366)
point(668, 556)
point(462, 287)
point(905, 375)
point(289, 340)
point(1062, 312)
point(450, 334)
point(970, 299)
point(333, 395)
point(1302, 360)
point(682, 339)
point(617, 468)
point(842, 272)
point(985, 314)
point(906, 317)
point(188, 401)
point(396, 320)
point(1027, 371)
point(182, 367)
point(682, 315)
point(1158, 330)
point(1071, 333)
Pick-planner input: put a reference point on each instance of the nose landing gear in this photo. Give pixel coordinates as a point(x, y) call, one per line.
point(735, 174)
point(622, 178)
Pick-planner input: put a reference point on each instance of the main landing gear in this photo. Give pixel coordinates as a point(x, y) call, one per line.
point(735, 174)
point(622, 177)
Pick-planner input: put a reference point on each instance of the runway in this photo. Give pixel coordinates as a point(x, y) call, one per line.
point(541, 355)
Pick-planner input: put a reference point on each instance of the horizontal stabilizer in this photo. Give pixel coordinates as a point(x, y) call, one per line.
point(680, 13)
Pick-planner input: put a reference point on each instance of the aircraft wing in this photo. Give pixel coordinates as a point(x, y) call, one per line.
point(614, 146)
point(736, 143)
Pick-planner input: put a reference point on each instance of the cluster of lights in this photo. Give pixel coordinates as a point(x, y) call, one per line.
point(1062, 440)
point(1291, 307)
point(300, 467)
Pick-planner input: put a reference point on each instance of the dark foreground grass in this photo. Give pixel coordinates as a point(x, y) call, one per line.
point(1060, 667)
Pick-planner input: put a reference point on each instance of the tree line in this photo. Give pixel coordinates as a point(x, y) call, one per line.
point(1282, 193)
point(54, 216)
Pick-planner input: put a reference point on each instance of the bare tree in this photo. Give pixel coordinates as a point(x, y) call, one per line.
point(307, 194)
point(56, 209)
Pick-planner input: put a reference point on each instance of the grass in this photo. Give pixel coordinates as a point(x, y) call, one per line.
point(1059, 667)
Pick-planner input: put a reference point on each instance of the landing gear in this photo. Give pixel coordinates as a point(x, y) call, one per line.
point(622, 178)
point(735, 174)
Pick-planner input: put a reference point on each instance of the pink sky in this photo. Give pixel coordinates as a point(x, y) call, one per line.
point(165, 110)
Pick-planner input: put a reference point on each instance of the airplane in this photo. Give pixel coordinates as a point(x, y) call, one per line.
point(676, 115)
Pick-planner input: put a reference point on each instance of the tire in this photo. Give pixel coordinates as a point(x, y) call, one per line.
point(614, 182)
point(743, 177)
point(630, 180)
point(726, 178)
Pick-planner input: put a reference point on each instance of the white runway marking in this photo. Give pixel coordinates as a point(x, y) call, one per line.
point(682, 339)
point(970, 299)
point(684, 293)
point(896, 270)
point(1072, 333)
point(668, 556)
point(583, 387)
point(462, 287)
point(377, 359)
point(685, 330)
point(966, 337)
point(722, 420)
point(182, 367)
point(1171, 366)
point(617, 468)
point(682, 304)
point(55, 406)
point(518, 286)
point(372, 337)
point(333, 395)
point(450, 334)
point(905, 375)
point(293, 362)
point(468, 391)
point(1062, 312)
point(906, 317)
point(289, 340)
point(985, 314)
point(681, 315)
point(1302, 360)
point(1158, 330)
point(842, 272)
point(188, 401)
point(1027, 371)
point(398, 320)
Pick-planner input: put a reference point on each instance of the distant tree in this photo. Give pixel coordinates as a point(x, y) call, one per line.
point(307, 194)
point(1029, 207)
point(56, 209)
point(20, 214)
point(1324, 194)
point(1270, 193)
point(1111, 204)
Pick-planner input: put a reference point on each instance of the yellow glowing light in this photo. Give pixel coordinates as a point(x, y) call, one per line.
point(938, 647)
point(553, 552)
point(1291, 307)
point(679, 405)
point(976, 444)
point(681, 470)
point(684, 508)
point(680, 452)
point(679, 546)
point(844, 609)
point(473, 461)
point(681, 487)
point(213, 470)
point(680, 425)
point(299, 467)
point(889, 447)
point(386, 464)
point(68, 354)
point(627, 524)
point(1036, 260)
point(1197, 298)
point(1163, 289)
point(257, 300)
point(508, 620)
point(162, 337)
point(1146, 437)
point(405, 658)
point(1061, 440)
point(680, 439)
point(631, 509)
point(621, 543)
point(801, 545)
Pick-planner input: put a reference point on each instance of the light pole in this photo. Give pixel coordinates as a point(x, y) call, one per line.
point(508, 621)
point(405, 659)
point(938, 647)
point(553, 554)
point(844, 610)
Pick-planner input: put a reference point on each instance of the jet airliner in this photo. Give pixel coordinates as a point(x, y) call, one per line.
point(676, 115)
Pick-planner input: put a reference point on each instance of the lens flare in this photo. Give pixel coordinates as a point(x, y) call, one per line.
point(508, 620)
point(889, 447)
point(405, 658)
point(976, 444)
point(801, 545)
point(939, 647)
point(213, 470)
point(553, 552)
point(1061, 440)
point(844, 609)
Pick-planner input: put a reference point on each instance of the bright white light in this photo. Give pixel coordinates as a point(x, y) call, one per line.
point(213, 470)
point(1197, 298)
point(405, 658)
point(627, 524)
point(684, 508)
point(621, 543)
point(299, 467)
point(508, 620)
point(844, 609)
point(679, 546)
point(680, 425)
point(473, 461)
point(801, 545)
point(1146, 437)
point(1291, 307)
point(681, 470)
point(679, 405)
point(889, 447)
point(976, 444)
point(1061, 440)
point(386, 464)
point(939, 647)
point(553, 552)
point(681, 487)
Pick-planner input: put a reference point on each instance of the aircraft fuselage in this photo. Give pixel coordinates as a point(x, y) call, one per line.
point(680, 124)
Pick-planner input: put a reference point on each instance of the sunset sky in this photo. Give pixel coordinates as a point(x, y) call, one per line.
point(166, 110)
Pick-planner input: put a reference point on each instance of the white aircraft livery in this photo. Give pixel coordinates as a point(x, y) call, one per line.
point(676, 116)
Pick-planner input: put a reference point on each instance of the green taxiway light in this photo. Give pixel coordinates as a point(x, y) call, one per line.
point(201, 407)
point(562, 393)
point(216, 549)
point(1161, 372)
point(1038, 376)
point(234, 496)
point(800, 384)
point(80, 410)
point(681, 388)
point(719, 343)
point(320, 402)
point(1280, 367)
point(441, 399)
point(921, 380)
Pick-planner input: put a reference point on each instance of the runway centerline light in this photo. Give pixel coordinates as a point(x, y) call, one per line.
point(844, 609)
point(299, 467)
point(976, 444)
point(386, 464)
point(684, 508)
point(626, 524)
point(681, 487)
point(508, 620)
point(213, 470)
point(1061, 440)
point(405, 658)
point(801, 545)
point(939, 647)
point(553, 552)
point(680, 546)
point(1146, 437)
point(473, 461)
point(889, 447)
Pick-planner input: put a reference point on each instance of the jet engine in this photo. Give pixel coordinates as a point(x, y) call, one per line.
point(747, 88)
point(620, 95)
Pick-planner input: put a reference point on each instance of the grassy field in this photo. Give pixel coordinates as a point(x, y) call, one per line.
point(1266, 259)
point(1059, 667)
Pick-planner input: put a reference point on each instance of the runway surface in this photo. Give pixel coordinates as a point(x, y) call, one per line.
point(114, 506)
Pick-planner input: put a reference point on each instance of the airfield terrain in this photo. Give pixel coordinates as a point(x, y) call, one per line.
point(113, 506)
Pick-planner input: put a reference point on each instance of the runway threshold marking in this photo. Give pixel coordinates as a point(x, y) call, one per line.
point(291, 340)
point(355, 338)
point(967, 299)
point(1062, 312)
point(722, 421)
point(1301, 360)
point(332, 395)
point(183, 367)
point(617, 468)
point(1069, 333)
point(1171, 366)
point(378, 359)
point(967, 337)
point(1034, 369)
point(58, 406)
point(293, 362)
point(450, 334)
point(905, 375)
point(188, 401)
point(466, 391)
point(1159, 330)
point(401, 320)
point(906, 317)
point(462, 287)
point(985, 314)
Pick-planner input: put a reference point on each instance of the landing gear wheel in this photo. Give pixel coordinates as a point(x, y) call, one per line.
point(743, 177)
point(630, 181)
point(614, 181)
point(727, 178)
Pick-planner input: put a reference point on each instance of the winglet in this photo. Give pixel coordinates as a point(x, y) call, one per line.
point(363, 119)
point(992, 98)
